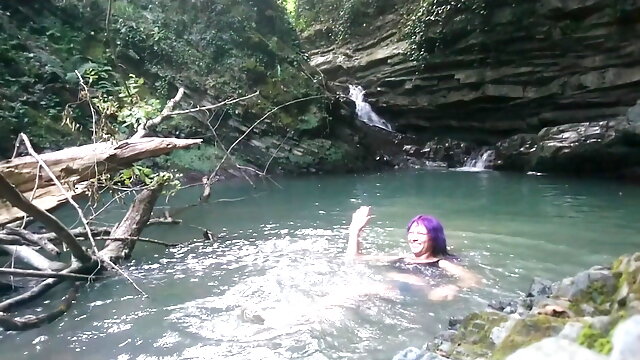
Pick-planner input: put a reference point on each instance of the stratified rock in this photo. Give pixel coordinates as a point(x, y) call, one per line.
point(551, 81)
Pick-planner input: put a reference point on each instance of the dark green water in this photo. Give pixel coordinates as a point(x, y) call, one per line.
point(281, 257)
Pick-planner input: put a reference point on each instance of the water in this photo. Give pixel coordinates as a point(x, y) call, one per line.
point(479, 161)
point(281, 258)
point(364, 110)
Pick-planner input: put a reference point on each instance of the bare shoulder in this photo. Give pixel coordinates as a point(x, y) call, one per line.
point(380, 258)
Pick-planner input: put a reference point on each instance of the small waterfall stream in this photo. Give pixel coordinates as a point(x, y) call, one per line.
point(364, 110)
point(479, 161)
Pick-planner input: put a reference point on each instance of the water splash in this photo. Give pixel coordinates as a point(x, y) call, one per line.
point(364, 110)
point(479, 161)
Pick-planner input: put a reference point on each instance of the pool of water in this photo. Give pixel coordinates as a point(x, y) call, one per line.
point(275, 285)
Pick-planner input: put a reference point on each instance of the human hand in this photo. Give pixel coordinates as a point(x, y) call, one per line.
point(445, 292)
point(360, 218)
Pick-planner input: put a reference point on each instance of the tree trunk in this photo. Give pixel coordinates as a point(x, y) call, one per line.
point(74, 166)
point(131, 225)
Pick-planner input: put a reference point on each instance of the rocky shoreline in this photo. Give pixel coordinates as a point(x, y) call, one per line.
point(588, 316)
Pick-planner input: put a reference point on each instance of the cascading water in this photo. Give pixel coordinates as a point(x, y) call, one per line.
point(478, 162)
point(364, 110)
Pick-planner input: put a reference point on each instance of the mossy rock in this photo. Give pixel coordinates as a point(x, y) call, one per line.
point(473, 339)
point(528, 331)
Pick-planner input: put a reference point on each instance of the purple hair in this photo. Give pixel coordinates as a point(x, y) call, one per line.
point(436, 233)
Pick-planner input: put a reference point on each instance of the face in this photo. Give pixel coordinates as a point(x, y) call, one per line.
point(418, 238)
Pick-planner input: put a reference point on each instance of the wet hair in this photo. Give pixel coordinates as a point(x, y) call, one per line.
point(436, 234)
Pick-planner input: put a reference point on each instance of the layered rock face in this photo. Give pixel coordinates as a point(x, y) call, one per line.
point(570, 67)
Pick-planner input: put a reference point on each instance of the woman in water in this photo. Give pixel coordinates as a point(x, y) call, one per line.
point(428, 245)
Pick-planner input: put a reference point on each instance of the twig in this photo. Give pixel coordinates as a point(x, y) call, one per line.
point(121, 194)
point(33, 194)
point(256, 124)
point(43, 274)
point(115, 267)
point(209, 107)
point(129, 238)
point(276, 152)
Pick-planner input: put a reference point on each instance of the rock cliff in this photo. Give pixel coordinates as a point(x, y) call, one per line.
point(556, 74)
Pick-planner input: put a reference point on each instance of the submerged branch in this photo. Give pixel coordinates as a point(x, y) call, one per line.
point(9, 323)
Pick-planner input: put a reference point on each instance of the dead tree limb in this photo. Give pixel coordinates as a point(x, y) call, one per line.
point(145, 128)
point(43, 274)
point(9, 192)
point(74, 166)
point(137, 238)
point(131, 225)
point(33, 239)
point(64, 192)
point(44, 287)
point(31, 322)
point(33, 258)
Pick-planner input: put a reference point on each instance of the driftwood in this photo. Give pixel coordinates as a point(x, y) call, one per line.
point(75, 166)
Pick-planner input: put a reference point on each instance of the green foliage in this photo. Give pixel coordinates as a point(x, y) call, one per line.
point(430, 25)
point(203, 158)
point(135, 176)
point(345, 17)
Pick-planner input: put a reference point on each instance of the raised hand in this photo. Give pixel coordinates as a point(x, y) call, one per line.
point(360, 218)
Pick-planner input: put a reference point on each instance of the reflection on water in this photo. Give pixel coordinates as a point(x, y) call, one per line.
point(276, 286)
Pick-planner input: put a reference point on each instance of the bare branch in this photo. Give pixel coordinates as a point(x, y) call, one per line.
point(228, 151)
point(43, 274)
point(9, 192)
point(64, 233)
point(136, 238)
point(33, 239)
point(39, 290)
point(145, 128)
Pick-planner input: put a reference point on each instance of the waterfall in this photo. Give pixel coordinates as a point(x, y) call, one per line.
point(364, 110)
point(479, 161)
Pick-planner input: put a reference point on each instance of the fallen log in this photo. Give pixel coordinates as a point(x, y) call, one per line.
point(75, 166)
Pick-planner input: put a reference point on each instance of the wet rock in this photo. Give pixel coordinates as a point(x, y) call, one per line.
point(539, 287)
point(592, 280)
point(571, 331)
point(626, 340)
point(555, 348)
point(410, 353)
point(454, 322)
point(505, 306)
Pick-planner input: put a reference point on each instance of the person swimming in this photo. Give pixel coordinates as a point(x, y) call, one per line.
point(428, 245)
